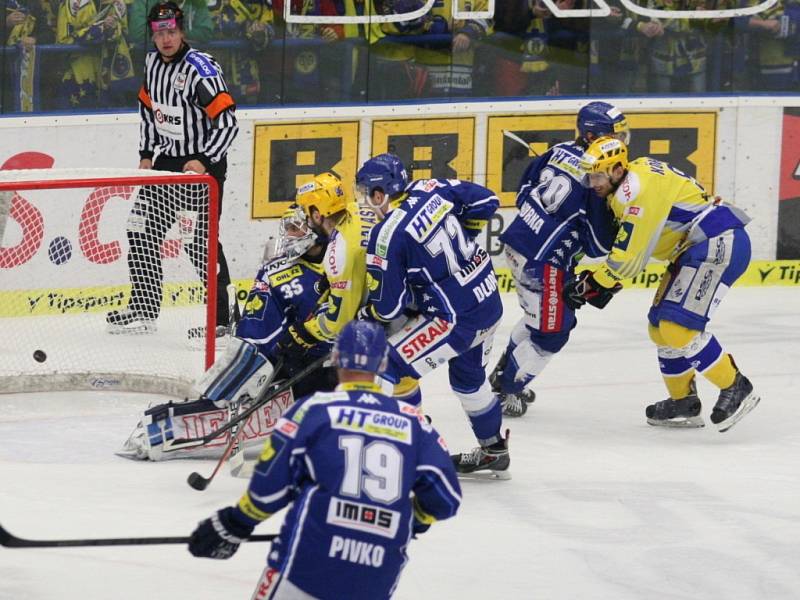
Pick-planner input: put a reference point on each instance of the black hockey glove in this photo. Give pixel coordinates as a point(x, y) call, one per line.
point(219, 536)
point(296, 341)
point(584, 288)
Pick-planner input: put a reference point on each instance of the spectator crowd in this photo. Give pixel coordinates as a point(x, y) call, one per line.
point(89, 54)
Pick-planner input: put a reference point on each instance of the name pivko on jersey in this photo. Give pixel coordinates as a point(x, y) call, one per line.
point(186, 108)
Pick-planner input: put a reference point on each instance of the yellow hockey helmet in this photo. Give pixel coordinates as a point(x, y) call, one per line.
point(325, 192)
point(604, 154)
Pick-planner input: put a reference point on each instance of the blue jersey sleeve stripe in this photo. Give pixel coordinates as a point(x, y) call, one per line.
point(439, 477)
point(270, 498)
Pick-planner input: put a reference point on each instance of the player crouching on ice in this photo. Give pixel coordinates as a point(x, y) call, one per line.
point(667, 215)
point(423, 263)
point(361, 472)
point(289, 287)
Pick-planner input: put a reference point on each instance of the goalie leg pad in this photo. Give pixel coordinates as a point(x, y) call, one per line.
point(165, 424)
point(241, 370)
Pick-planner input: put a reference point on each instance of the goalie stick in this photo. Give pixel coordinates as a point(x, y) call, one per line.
point(233, 309)
point(9, 540)
point(195, 479)
point(264, 396)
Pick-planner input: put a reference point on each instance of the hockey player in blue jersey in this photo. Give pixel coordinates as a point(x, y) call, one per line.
point(424, 264)
point(361, 472)
point(289, 287)
point(559, 221)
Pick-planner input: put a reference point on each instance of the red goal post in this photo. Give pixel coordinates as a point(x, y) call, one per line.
point(64, 241)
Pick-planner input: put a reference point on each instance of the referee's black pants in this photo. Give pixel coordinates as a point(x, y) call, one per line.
point(153, 214)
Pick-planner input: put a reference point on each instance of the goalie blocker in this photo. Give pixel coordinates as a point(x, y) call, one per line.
point(225, 391)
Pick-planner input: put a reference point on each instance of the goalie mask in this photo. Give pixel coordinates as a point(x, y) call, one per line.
point(295, 237)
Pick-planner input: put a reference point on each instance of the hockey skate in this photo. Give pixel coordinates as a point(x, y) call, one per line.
point(129, 322)
point(734, 403)
point(136, 446)
point(677, 413)
point(491, 461)
point(514, 405)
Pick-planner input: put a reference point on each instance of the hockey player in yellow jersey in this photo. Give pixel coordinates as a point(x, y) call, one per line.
point(666, 215)
point(333, 213)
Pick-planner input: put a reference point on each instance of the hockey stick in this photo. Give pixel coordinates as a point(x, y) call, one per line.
point(233, 310)
point(513, 136)
point(197, 481)
point(11, 541)
point(263, 397)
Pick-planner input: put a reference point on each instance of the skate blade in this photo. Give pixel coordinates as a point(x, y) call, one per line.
point(687, 423)
point(513, 415)
point(486, 475)
point(745, 407)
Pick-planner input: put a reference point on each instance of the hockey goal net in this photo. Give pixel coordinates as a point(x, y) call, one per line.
point(66, 240)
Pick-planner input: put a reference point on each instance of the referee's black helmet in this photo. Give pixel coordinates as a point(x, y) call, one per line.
point(165, 15)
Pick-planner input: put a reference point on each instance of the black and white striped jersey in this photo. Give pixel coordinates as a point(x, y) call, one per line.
point(186, 108)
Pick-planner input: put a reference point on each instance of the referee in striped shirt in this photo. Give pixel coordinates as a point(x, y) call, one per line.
point(187, 124)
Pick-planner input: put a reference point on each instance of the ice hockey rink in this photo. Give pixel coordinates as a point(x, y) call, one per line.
point(600, 505)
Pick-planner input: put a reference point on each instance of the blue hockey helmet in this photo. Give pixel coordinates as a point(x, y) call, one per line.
point(361, 346)
point(385, 172)
point(601, 118)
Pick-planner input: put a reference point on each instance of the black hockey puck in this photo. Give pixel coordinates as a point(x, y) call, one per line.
point(39, 356)
point(197, 481)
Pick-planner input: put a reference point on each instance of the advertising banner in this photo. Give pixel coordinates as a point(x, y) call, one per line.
point(789, 205)
point(286, 156)
point(440, 148)
point(685, 140)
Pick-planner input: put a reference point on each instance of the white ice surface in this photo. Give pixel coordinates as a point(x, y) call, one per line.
point(600, 506)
